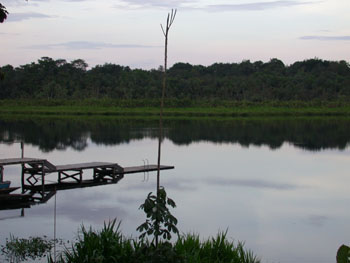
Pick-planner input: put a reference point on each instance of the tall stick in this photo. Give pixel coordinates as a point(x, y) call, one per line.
point(169, 22)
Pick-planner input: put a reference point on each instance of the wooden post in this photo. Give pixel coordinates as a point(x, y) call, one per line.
point(22, 178)
point(1, 173)
point(43, 180)
point(22, 149)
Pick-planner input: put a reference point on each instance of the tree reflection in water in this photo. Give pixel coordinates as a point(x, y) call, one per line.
point(59, 133)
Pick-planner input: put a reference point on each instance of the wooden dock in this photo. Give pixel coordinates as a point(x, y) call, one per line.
point(69, 176)
point(11, 161)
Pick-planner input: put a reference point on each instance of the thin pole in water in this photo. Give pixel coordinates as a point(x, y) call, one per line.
point(22, 149)
point(54, 230)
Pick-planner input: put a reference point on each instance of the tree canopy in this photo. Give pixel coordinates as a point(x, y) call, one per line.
point(3, 13)
point(252, 81)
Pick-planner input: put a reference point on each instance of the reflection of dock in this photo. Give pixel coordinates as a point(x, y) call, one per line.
point(70, 176)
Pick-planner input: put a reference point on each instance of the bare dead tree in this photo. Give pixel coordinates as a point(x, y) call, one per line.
point(169, 22)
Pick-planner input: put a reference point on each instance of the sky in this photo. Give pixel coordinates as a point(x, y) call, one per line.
point(128, 32)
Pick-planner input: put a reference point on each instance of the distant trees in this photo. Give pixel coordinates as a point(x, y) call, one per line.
point(252, 81)
point(3, 13)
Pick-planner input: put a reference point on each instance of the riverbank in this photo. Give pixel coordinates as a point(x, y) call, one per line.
point(174, 108)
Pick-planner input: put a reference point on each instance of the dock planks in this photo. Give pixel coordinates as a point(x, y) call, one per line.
point(12, 161)
point(83, 166)
point(145, 168)
point(70, 176)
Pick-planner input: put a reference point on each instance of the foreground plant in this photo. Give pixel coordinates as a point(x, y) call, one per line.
point(107, 245)
point(160, 222)
point(22, 249)
point(110, 246)
point(216, 249)
point(343, 254)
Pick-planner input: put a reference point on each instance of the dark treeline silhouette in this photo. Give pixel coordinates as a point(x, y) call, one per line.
point(252, 81)
point(49, 134)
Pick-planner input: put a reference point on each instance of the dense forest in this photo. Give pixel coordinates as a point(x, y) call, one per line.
point(250, 81)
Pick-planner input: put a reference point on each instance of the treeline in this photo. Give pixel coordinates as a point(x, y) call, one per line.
point(246, 81)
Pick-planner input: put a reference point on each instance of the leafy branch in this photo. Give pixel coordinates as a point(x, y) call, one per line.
point(160, 222)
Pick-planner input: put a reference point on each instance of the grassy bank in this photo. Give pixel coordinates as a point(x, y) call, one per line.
point(178, 108)
point(109, 245)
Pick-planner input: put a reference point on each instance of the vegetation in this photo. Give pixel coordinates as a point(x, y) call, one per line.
point(3, 13)
point(246, 81)
point(343, 254)
point(174, 108)
point(22, 249)
point(110, 245)
point(159, 220)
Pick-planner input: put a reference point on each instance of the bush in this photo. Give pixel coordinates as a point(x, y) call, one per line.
point(21, 249)
point(109, 245)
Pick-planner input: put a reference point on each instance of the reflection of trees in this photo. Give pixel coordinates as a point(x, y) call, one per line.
point(47, 134)
point(310, 134)
point(50, 134)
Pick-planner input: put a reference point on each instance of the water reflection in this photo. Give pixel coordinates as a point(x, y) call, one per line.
point(266, 181)
point(50, 134)
point(225, 182)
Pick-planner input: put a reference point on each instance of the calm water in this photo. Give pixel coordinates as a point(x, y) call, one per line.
point(282, 186)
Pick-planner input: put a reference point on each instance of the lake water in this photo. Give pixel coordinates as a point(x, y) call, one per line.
point(279, 185)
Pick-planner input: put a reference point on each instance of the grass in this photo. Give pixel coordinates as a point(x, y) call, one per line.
point(22, 249)
point(175, 108)
point(110, 245)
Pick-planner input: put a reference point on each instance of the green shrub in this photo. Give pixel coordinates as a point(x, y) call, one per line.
point(343, 254)
point(21, 249)
point(109, 245)
point(218, 249)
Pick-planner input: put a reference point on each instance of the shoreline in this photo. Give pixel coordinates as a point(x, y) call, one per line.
point(148, 109)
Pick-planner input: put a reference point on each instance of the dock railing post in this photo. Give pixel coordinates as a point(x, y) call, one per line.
point(42, 180)
point(1, 173)
point(22, 178)
point(22, 149)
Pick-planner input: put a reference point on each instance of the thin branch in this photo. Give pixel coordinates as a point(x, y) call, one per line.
point(162, 30)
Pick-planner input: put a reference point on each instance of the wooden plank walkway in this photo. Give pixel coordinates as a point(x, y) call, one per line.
point(73, 185)
point(145, 168)
point(49, 167)
point(83, 166)
point(11, 161)
point(34, 171)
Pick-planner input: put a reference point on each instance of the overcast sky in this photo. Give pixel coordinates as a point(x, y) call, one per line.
point(127, 32)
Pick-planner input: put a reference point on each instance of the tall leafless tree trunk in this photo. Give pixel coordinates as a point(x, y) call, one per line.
point(169, 22)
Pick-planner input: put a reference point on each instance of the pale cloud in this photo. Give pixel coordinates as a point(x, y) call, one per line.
point(317, 220)
point(326, 38)
point(87, 45)
point(251, 183)
point(31, 2)
point(19, 3)
point(193, 5)
point(15, 17)
point(9, 34)
point(256, 6)
point(139, 4)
